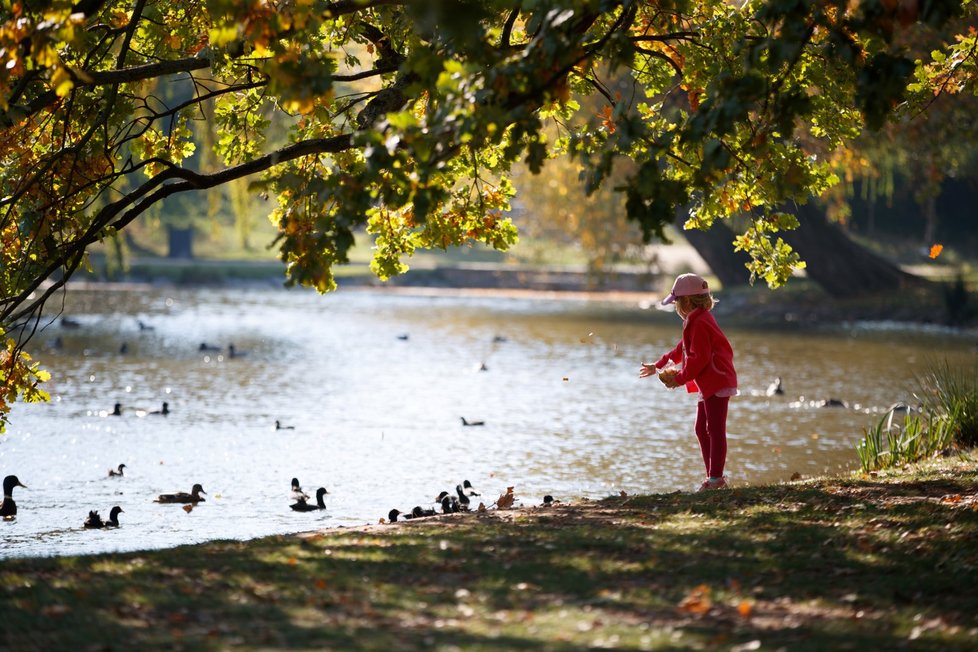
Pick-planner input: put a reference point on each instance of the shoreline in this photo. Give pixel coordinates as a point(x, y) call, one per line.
point(880, 561)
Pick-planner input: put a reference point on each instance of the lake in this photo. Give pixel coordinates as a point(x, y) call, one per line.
point(374, 385)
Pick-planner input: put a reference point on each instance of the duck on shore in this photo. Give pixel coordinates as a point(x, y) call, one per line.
point(8, 508)
point(94, 521)
point(113, 473)
point(183, 496)
point(303, 506)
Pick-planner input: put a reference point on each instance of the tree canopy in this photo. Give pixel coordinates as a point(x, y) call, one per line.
point(405, 117)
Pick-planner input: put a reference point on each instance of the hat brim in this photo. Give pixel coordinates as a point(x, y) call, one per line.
point(669, 299)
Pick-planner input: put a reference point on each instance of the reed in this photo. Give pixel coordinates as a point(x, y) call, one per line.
point(954, 391)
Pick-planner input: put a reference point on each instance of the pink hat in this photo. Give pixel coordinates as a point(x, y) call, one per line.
point(686, 285)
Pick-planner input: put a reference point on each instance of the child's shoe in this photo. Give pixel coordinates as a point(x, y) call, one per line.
point(713, 483)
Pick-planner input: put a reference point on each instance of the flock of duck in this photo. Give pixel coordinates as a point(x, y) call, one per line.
point(301, 501)
point(450, 504)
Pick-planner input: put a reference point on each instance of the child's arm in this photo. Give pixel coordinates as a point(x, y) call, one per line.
point(698, 355)
point(676, 355)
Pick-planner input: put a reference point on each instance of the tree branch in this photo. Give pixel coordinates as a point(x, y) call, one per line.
point(120, 213)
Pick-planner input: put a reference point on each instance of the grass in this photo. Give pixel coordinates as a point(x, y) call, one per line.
point(858, 562)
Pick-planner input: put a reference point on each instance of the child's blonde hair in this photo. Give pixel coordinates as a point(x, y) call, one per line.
point(690, 302)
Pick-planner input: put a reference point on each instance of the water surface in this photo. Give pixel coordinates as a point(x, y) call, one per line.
point(375, 385)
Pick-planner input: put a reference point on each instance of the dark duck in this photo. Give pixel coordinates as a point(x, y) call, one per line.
point(94, 521)
point(469, 489)
point(183, 496)
point(303, 506)
point(113, 473)
point(8, 508)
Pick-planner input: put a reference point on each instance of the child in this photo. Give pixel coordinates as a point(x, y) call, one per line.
point(707, 368)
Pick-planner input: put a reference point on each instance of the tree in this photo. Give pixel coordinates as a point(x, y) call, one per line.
point(405, 116)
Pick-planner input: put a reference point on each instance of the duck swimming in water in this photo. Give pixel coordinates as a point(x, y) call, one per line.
point(297, 494)
point(165, 410)
point(183, 497)
point(303, 506)
point(8, 508)
point(775, 388)
point(466, 422)
point(116, 474)
point(94, 521)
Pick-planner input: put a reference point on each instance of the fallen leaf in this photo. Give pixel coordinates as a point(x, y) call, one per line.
point(956, 498)
point(505, 501)
point(188, 508)
point(744, 609)
point(795, 476)
point(697, 601)
point(482, 507)
point(936, 250)
point(623, 493)
point(320, 584)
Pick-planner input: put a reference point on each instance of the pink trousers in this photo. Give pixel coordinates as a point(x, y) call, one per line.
point(711, 431)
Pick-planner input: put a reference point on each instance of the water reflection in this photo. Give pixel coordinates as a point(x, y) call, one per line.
point(375, 385)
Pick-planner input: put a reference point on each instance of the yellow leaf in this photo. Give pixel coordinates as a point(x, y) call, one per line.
point(936, 250)
point(61, 82)
point(744, 609)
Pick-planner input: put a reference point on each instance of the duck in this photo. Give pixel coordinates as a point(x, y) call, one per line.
point(143, 326)
point(8, 508)
point(548, 500)
point(832, 402)
point(234, 353)
point(205, 347)
point(183, 497)
point(94, 521)
point(419, 512)
point(463, 499)
point(466, 422)
point(68, 322)
point(393, 514)
point(469, 489)
point(163, 411)
point(775, 388)
point(113, 473)
point(449, 503)
point(297, 493)
point(116, 410)
point(124, 349)
point(279, 426)
point(403, 337)
point(900, 407)
point(303, 506)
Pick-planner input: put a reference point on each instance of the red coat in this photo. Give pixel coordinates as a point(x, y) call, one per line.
point(705, 354)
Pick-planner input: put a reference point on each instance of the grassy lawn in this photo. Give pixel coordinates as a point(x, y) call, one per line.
point(863, 563)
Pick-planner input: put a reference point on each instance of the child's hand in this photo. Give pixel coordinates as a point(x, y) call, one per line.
point(668, 377)
point(646, 370)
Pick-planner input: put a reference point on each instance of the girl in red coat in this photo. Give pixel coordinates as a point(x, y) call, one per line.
point(707, 368)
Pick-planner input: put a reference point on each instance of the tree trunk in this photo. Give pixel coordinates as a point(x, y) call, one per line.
point(843, 268)
point(715, 247)
point(180, 243)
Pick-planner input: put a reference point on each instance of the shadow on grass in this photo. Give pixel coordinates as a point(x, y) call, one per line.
point(844, 565)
